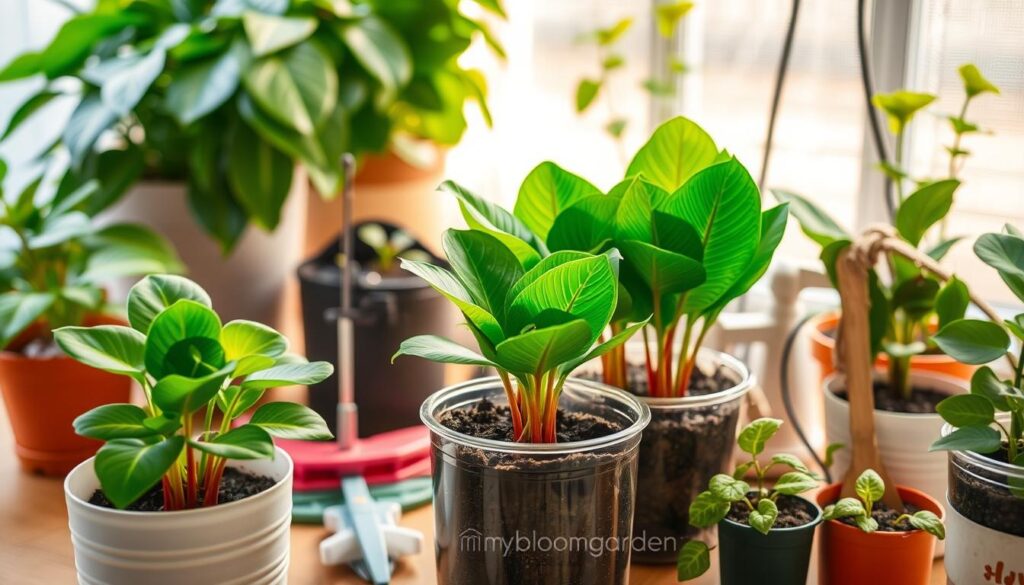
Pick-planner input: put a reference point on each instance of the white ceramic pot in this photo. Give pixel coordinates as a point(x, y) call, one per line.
point(239, 543)
point(978, 554)
point(903, 439)
point(247, 284)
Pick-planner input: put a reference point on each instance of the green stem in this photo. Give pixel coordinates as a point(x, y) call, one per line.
point(899, 164)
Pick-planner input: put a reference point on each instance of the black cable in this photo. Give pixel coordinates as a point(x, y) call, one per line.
point(868, 84)
point(787, 402)
point(780, 77)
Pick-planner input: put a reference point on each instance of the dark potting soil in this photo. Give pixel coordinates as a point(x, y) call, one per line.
point(886, 518)
point(793, 511)
point(921, 401)
point(978, 494)
point(234, 486)
point(487, 420)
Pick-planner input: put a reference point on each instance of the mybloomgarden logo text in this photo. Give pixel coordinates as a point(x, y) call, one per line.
point(472, 540)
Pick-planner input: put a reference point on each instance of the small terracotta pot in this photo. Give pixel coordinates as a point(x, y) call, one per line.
point(823, 346)
point(43, 397)
point(850, 556)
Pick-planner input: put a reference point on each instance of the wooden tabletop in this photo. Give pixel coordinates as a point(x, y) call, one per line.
point(35, 548)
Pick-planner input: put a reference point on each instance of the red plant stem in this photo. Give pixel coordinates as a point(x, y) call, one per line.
point(213, 489)
point(651, 387)
point(550, 412)
point(192, 482)
point(168, 495)
point(514, 406)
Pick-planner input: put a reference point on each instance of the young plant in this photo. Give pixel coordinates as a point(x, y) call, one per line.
point(688, 222)
point(870, 489)
point(979, 342)
point(712, 506)
point(904, 310)
point(54, 259)
point(388, 248)
point(533, 325)
point(189, 366)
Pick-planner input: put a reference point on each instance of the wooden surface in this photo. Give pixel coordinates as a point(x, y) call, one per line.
point(35, 548)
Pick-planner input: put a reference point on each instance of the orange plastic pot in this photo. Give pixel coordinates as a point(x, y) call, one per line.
point(823, 345)
point(850, 556)
point(44, 395)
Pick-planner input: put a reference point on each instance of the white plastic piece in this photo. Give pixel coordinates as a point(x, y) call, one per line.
point(343, 547)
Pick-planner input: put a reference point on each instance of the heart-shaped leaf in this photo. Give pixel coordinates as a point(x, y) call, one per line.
point(763, 518)
point(298, 87)
point(128, 468)
point(726, 487)
point(924, 208)
point(545, 193)
point(869, 488)
point(185, 332)
point(154, 293)
point(113, 421)
point(287, 420)
point(112, 348)
point(245, 442)
point(972, 341)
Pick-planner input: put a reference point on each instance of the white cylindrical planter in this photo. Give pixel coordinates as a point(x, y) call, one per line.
point(239, 543)
point(247, 284)
point(978, 554)
point(903, 438)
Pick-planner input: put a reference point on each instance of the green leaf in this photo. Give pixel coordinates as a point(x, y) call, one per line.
point(726, 487)
point(668, 15)
point(694, 560)
point(1005, 253)
point(707, 510)
point(900, 106)
point(452, 289)
point(241, 338)
point(866, 523)
point(260, 176)
point(439, 349)
point(676, 151)
point(121, 250)
point(972, 341)
point(795, 482)
point(977, 439)
point(845, 508)
point(381, 50)
point(243, 399)
point(185, 395)
point(128, 468)
point(830, 453)
point(486, 216)
point(869, 488)
point(634, 217)
point(607, 36)
point(928, 522)
point(298, 88)
point(90, 119)
point(74, 41)
point(287, 420)
point(545, 193)
point(974, 82)
point(663, 271)
point(269, 34)
point(154, 293)
point(200, 88)
point(588, 225)
point(789, 461)
point(113, 421)
point(967, 410)
point(486, 268)
point(57, 230)
point(616, 127)
point(123, 90)
point(599, 350)
point(26, 109)
point(773, 227)
point(952, 301)
point(763, 518)
point(112, 348)
point(542, 350)
point(18, 310)
point(924, 208)
point(289, 374)
point(115, 172)
point(676, 235)
point(179, 330)
point(916, 297)
point(753, 436)
point(24, 65)
point(986, 384)
point(814, 222)
point(244, 442)
point(586, 93)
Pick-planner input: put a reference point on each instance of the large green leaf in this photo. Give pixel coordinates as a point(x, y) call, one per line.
point(1005, 253)
point(973, 341)
point(26, 109)
point(548, 263)
point(723, 203)
point(663, 272)
point(201, 88)
point(773, 227)
point(244, 442)
point(298, 88)
point(452, 288)
point(485, 266)
point(87, 122)
point(676, 235)
point(18, 310)
point(124, 249)
point(260, 176)
point(587, 225)
point(978, 439)
point(308, 149)
point(599, 350)
point(185, 395)
point(112, 348)
point(815, 223)
point(545, 193)
point(676, 151)
point(633, 219)
point(128, 468)
point(177, 335)
point(57, 230)
point(287, 420)
point(541, 350)
point(380, 50)
point(967, 410)
point(439, 349)
point(694, 560)
point(124, 90)
point(924, 208)
point(985, 383)
point(289, 374)
point(241, 338)
point(113, 421)
point(269, 34)
point(74, 41)
point(586, 289)
point(952, 301)
point(153, 294)
point(486, 216)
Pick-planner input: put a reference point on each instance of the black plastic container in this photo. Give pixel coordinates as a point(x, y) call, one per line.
point(781, 557)
point(387, 310)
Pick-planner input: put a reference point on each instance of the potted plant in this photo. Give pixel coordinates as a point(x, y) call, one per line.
point(883, 546)
point(174, 494)
point(182, 104)
point(54, 264)
point(688, 222)
point(764, 534)
point(913, 215)
point(541, 463)
point(391, 305)
point(906, 309)
point(985, 434)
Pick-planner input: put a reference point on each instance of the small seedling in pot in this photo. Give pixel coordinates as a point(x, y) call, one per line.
point(389, 248)
point(730, 496)
point(189, 365)
point(870, 489)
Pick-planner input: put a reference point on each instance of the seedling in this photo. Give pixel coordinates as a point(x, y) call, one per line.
point(870, 489)
point(979, 342)
point(903, 312)
point(534, 326)
point(688, 222)
point(188, 365)
point(388, 248)
point(712, 506)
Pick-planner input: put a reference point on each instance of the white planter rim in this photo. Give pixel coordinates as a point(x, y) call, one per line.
point(155, 516)
point(922, 378)
point(637, 411)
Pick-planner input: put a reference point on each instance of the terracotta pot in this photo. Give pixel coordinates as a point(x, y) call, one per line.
point(44, 395)
point(850, 556)
point(823, 346)
point(391, 190)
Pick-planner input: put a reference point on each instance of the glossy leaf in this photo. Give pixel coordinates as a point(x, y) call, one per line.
point(707, 510)
point(634, 218)
point(241, 338)
point(753, 436)
point(1005, 253)
point(18, 310)
point(381, 50)
point(260, 176)
point(663, 271)
point(545, 193)
point(588, 225)
point(184, 322)
point(952, 301)
point(487, 268)
point(439, 349)
point(154, 293)
point(694, 560)
point(112, 348)
point(585, 288)
point(972, 341)
point(289, 374)
point(185, 395)
point(540, 350)
point(924, 208)
point(967, 410)
point(486, 216)
point(773, 228)
point(201, 88)
point(128, 468)
point(298, 87)
point(244, 442)
point(113, 421)
point(763, 518)
point(287, 420)
point(269, 34)
point(676, 151)
point(977, 439)
point(986, 384)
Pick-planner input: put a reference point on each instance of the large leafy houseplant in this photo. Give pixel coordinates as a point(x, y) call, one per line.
point(231, 94)
point(189, 365)
point(905, 308)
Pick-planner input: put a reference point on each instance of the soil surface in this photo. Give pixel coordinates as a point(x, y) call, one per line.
point(921, 401)
point(234, 486)
point(978, 495)
point(487, 420)
point(793, 511)
point(886, 518)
